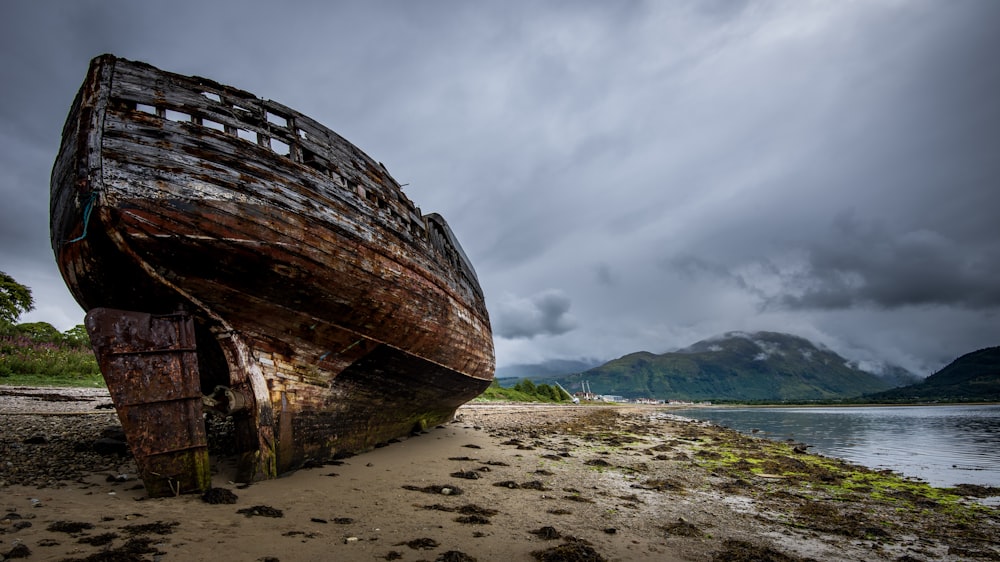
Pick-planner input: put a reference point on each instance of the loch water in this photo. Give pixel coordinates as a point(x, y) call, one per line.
point(941, 445)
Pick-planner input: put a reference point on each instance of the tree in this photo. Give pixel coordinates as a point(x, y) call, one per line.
point(77, 336)
point(546, 392)
point(41, 332)
point(525, 386)
point(15, 299)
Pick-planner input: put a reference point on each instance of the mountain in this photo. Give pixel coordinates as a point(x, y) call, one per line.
point(896, 376)
point(735, 366)
point(553, 368)
point(973, 377)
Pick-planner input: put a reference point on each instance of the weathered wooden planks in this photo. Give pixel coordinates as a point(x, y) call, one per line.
point(299, 257)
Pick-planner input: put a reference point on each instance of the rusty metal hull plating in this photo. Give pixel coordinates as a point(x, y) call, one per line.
point(317, 295)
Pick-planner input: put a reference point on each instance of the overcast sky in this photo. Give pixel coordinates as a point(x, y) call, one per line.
point(623, 175)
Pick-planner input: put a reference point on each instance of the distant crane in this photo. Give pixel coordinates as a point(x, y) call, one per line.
point(574, 398)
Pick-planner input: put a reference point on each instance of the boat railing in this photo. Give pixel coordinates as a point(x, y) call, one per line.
point(266, 124)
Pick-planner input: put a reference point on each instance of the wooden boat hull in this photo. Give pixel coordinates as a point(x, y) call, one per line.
point(318, 294)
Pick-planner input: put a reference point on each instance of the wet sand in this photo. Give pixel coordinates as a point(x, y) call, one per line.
point(501, 482)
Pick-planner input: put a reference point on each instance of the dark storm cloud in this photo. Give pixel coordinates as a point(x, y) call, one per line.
point(678, 169)
point(543, 314)
point(868, 265)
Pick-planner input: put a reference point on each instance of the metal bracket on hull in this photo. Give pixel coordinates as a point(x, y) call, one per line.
point(226, 401)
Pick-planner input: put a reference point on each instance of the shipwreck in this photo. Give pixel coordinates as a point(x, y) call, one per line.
point(235, 256)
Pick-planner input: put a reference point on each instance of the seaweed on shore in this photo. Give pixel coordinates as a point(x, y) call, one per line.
point(436, 489)
point(572, 550)
point(742, 551)
point(261, 511)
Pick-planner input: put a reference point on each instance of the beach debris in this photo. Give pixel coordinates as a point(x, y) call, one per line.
point(683, 528)
point(454, 556)
point(572, 550)
point(19, 550)
point(659, 485)
point(98, 540)
point(472, 514)
point(343, 520)
point(466, 474)
point(473, 509)
point(69, 527)
point(219, 495)
point(436, 489)
point(734, 550)
point(299, 534)
point(547, 533)
point(420, 544)
point(530, 485)
point(157, 528)
point(438, 507)
point(261, 510)
point(14, 521)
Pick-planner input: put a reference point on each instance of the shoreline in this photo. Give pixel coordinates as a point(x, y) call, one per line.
point(617, 482)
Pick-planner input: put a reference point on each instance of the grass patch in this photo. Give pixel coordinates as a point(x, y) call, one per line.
point(77, 381)
point(46, 358)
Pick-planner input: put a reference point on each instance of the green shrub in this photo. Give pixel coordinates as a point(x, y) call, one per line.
point(36, 353)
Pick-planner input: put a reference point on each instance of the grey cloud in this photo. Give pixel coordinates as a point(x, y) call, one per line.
point(872, 265)
point(545, 313)
point(695, 267)
point(674, 166)
point(605, 276)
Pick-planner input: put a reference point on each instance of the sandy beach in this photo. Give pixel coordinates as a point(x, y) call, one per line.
point(500, 482)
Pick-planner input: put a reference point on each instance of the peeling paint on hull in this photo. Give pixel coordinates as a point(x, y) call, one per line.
point(338, 313)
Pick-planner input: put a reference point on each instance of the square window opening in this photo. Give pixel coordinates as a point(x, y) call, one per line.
point(213, 125)
point(276, 119)
point(178, 116)
point(247, 135)
point(280, 147)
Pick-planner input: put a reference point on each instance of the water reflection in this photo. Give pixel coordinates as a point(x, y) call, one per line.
point(943, 445)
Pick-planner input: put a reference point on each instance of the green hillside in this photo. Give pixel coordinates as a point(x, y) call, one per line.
point(973, 377)
point(736, 366)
